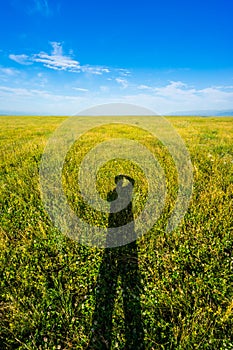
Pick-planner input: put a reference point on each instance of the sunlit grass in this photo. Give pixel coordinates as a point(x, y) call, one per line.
point(48, 281)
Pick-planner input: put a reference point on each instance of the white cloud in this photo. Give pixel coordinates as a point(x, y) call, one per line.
point(21, 59)
point(94, 69)
point(41, 6)
point(177, 84)
point(144, 87)
point(223, 87)
point(80, 89)
point(124, 72)
point(177, 96)
point(171, 97)
point(123, 82)
point(175, 90)
point(56, 60)
point(104, 88)
point(15, 91)
point(57, 48)
point(10, 72)
point(39, 101)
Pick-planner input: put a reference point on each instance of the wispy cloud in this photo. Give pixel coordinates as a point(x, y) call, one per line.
point(35, 93)
point(224, 87)
point(144, 87)
point(174, 96)
point(7, 74)
point(124, 72)
point(178, 96)
point(41, 102)
point(16, 91)
point(40, 6)
point(94, 69)
point(123, 82)
point(57, 60)
point(10, 72)
point(80, 89)
point(21, 59)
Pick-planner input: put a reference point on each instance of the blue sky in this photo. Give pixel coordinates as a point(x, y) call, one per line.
point(58, 57)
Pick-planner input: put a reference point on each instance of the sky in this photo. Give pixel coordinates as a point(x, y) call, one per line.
point(58, 57)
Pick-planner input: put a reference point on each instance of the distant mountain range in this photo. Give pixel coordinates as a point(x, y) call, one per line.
point(202, 113)
point(205, 113)
point(4, 112)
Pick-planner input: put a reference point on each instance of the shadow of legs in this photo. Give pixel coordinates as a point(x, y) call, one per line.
point(116, 262)
point(105, 295)
point(131, 284)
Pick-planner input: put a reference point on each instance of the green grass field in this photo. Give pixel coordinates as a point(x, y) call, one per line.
point(49, 282)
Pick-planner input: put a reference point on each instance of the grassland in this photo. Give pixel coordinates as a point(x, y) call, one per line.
point(48, 282)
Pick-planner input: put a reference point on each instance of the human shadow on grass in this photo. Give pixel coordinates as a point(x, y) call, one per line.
point(122, 262)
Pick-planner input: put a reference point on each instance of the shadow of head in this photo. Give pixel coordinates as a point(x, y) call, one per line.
point(119, 180)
